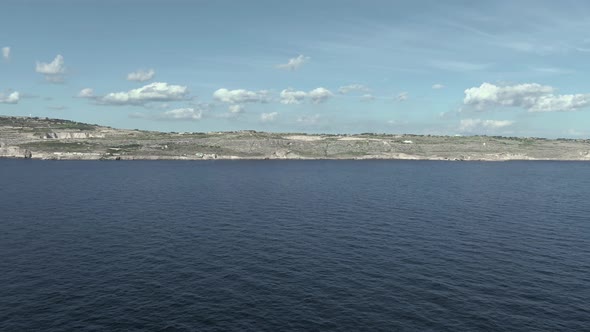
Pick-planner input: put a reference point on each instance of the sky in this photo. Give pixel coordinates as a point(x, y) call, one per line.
point(511, 68)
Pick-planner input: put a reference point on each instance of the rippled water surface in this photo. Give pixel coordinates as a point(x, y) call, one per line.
point(294, 245)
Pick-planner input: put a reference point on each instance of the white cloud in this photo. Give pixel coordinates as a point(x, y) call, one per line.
point(53, 70)
point(153, 92)
point(294, 63)
point(438, 86)
point(561, 103)
point(6, 52)
point(190, 114)
point(141, 75)
point(353, 88)
point(367, 97)
point(268, 117)
point(317, 96)
point(309, 119)
point(236, 109)
point(55, 67)
point(403, 96)
point(320, 95)
point(241, 96)
point(470, 125)
point(86, 93)
point(291, 96)
point(12, 98)
point(532, 97)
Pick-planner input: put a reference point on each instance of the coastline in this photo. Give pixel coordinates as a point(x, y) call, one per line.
point(56, 139)
point(94, 157)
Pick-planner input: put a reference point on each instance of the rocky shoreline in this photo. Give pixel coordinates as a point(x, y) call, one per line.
point(25, 154)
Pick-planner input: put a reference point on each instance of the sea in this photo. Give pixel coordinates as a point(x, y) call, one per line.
point(294, 246)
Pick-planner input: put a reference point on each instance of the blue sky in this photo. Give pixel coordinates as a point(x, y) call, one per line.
point(516, 68)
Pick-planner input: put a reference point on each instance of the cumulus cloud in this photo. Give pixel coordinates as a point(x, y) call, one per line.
point(241, 96)
point(236, 109)
point(86, 93)
point(470, 125)
point(353, 88)
point(153, 92)
point(532, 97)
point(268, 117)
point(6, 52)
point(141, 75)
point(317, 96)
point(189, 114)
point(294, 63)
point(292, 96)
point(403, 96)
point(438, 86)
point(53, 71)
point(54, 67)
point(11, 98)
point(320, 95)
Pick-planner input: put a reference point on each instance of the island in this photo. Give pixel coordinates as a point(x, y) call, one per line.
point(56, 139)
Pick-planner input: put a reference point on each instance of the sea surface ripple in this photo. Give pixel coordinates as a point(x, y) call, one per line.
point(294, 246)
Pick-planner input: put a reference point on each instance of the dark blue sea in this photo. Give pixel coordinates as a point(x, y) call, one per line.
point(294, 246)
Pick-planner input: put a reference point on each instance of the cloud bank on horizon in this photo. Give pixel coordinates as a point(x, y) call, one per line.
point(486, 68)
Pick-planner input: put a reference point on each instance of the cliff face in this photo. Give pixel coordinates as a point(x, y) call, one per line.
point(61, 139)
point(14, 152)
